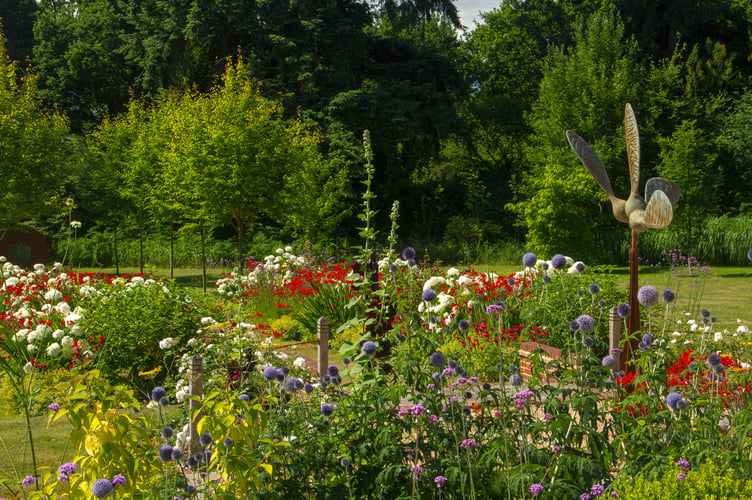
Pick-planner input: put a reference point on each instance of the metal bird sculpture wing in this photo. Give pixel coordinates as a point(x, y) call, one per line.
point(655, 210)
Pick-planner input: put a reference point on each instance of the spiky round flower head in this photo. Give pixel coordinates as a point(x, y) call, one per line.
point(326, 378)
point(164, 401)
point(190, 489)
point(177, 454)
point(346, 361)
point(165, 453)
point(594, 288)
point(345, 462)
point(713, 319)
point(438, 359)
point(486, 386)
point(681, 404)
point(579, 267)
point(401, 337)
point(647, 295)
point(587, 341)
point(623, 310)
point(585, 323)
point(429, 295)
point(369, 348)
point(411, 263)
point(558, 261)
point(648, 338)
point(673, 399)
point(285, 370)
point(705, 320)
point(714, 359)
point(515, 380)
point(101, 488)
point(719, 368)
point(167, 432)
point(333, 370)
point(608, 361)
point(580, 293)
point(228, 442)
point(158, 393)
point(573, 325)
point(513, 369)
point(193, 461)
point(205, 439)
point(546, 279)
point(308, 388)
point(463, 325)
point(529, 259)
point(393, 268)
point(245, 397)
point(291, 384)
point(327, 409)
point(705, 313)
point(408, 253)
point(270, 373)
point(279, 375)
point(668, 295)
point(693, 366)
point(602, 303)
point(452, 364)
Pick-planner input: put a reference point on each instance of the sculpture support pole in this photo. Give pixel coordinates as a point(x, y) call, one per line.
point(631, 345)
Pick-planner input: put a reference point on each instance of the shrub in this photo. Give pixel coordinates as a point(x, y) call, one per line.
point(291, 329)
point(132, 318)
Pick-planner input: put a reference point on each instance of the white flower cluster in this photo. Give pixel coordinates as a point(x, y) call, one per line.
point(277, 269)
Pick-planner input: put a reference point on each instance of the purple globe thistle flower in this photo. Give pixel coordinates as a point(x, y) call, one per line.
point(228, 442)
point(308, 388)
point(585, 323)
point(54, 407)
point(346, 361)
point(327, 409)
point(101, 488)
point(535, 489)
point(205, 439)
point(587, 341)
point(408, 253)
point(546, 279)
point(705, 313)
point(285, 370)
point(648, 338)
point(270, 373)
point(719, 368)
point(166, 432)
point(573, 325)
point(511, 281)
point(291, 384)
point(190, 489)
point(165, 453)
point(515, 379)
point(594, 288)
point(668, 296)
point(28, 481)
point(164, 401)
point(602, 303)
point(580, 267)
point(369, 348)
point(333, 370)
point(529, 259)
point(429, 295)
point(545, 266)
point(681, 404)
point(177, 454)
point(245, 397)
point(623, 310)
point(463, 325)
point(558, 261)
point(714, 359)
point(411, 263)
point(647, 295)
point(673, 399)
point(118, 480)
point(345, 462)
point(608, 361)
point(513, 369)
point(326, 379)
point(452, 364)
point(158, 393)
point(438, 359)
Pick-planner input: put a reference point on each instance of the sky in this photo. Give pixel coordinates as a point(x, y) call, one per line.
point(470, 9)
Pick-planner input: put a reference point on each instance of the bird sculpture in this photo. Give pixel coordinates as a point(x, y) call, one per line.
point(655, 210)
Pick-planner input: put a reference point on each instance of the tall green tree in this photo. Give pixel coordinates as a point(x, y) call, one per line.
point(35, 150)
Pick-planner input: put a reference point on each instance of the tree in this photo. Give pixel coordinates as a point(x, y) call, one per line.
point(34, 151)
point(585, 90)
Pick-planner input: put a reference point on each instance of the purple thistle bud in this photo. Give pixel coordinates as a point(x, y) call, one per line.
point(647, 295)
point(529, 259)
point(623, 310)
point(558, 261)
point(101, 488)
point(429, 295)
point(668, 296)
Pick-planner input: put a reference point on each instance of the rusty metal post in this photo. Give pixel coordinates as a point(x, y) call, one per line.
point(322, 327)
point(631, 346)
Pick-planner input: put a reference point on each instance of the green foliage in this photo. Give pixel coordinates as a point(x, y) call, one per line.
point(132, 318)
point(709, 481)
point(50, 386)
point(292, 329)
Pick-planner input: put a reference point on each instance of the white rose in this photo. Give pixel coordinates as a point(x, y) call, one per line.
point(53, 350)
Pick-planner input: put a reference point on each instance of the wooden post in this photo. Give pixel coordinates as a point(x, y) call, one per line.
point(322, 325)
point(197, 389)
point(614, 333)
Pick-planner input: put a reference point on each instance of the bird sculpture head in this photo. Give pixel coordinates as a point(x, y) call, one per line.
point(655, 209)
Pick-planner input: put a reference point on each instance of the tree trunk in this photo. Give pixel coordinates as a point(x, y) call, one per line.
point(141, 245)
point(203, 259)
point(239, 230)
point(172, 248)
point(117, 260)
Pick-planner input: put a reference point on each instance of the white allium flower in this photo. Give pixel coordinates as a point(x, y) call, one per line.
point(72, 319)
point(53, 295)
point(67, 342)
point(453, 272)
point(299, 362)
point(167, 343)
point(58, 334)
point(21, 335)
point(288, 249)
point(280, 251)
point(12, 281)
point(63, 308)
point(77, 330)
point(433, 283)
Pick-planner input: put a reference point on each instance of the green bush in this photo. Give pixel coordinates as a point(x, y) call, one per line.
point(54, 387)
point(292, 329)
point(708, 482)
point(133, 318)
